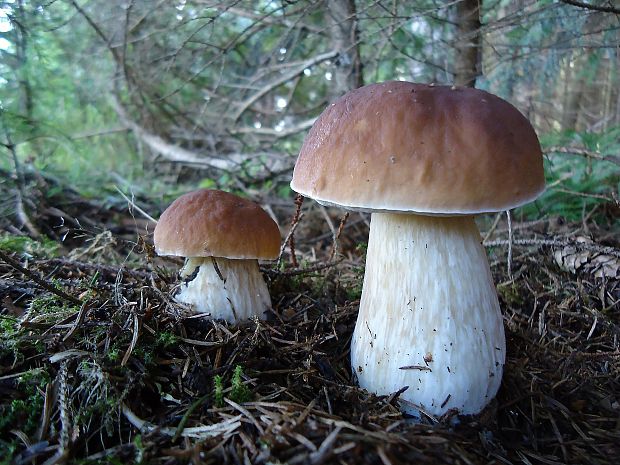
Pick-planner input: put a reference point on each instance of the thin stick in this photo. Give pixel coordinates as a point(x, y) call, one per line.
point(47, 411)
point(134, 340)
point(286, 239)
point(555, 243)
point(7, 259)
point(510, 238)
point(134, 206)
point(186, 415)
point(78, 321)
point(337, 234)
point(493, 227)
point(328, 220)
point(290, 239)
point(326, 447)
point(584, 153)
point(65, 425)
point(202, 432)
point(310, 269)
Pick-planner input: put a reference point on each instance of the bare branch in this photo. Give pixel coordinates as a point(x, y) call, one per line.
point(281, 80)
point(275, 22)
point(301, 126)
point(167, 150)
point(589, 6)
point(585, 153)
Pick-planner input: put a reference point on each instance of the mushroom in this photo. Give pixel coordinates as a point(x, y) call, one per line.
point(222, 236)
point(423, 160)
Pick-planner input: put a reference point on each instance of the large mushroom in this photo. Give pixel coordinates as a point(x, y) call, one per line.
point(222, 237)
point(424, 159)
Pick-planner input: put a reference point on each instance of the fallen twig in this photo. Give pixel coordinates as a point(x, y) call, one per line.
point(200, 432)
point(556, 243)
point(60, 293)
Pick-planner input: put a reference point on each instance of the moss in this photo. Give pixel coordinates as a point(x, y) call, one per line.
point(239, 392)
point(166, 339)
point(509, 293)
point(113, 355)
point(9, 329)
point(145, 354)
point(218, 384)
point(24, 413)
point(8, 326)
point(28, 246)
point(49, 309)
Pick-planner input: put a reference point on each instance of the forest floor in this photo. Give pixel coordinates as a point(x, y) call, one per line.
point(98, 366)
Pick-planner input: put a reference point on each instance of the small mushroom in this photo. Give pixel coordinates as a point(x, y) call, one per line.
point(424, 160)
point(222, 237)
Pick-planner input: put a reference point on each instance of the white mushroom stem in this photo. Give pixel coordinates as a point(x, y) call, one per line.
point(429, 316)
point(231, 290)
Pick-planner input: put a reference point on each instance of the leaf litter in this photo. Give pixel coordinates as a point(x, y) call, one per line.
point(100, 363)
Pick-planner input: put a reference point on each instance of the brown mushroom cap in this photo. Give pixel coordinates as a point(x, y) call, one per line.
point(404, 147)
point(207, 223)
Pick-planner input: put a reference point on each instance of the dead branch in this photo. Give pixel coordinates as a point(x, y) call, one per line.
point(41, 282)
point(225, 427)
point(585, 153)
point(282, 22)
point(167, 150)
point(556, 243)
point(589, 6)
point(281, 80)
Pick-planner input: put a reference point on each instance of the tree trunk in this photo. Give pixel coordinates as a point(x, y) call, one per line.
point(342, 19)
point(467, 65)
point(576, 87)
point(21, 51)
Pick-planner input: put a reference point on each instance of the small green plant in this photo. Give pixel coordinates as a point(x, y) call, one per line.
point(352, 285)
point(296, 281)
point(239, 392)
point(219, 391)
point(113, 355)
point(146, 354)
point(576, 181)
point(165, 339)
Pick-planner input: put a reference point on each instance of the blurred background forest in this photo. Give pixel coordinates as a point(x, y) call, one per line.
point(157, 97)
point(110, 109)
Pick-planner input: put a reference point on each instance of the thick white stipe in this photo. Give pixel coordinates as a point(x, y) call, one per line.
point(231, 290)
point(429, 315)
